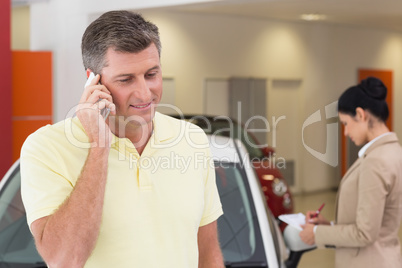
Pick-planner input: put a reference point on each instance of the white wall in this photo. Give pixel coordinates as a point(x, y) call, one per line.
point(58, 25)
point(324, 58)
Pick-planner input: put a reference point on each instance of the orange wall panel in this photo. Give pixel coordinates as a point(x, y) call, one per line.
point(31, 94)
point(32, 83)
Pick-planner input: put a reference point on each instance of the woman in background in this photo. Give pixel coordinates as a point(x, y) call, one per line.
point(369, 200)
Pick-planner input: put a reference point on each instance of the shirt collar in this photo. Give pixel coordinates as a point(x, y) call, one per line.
point(161, 132)
point(163, 129)
point(367, 145)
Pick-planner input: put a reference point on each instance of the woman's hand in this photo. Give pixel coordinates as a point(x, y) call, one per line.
point(312, 218)
point(307, 234)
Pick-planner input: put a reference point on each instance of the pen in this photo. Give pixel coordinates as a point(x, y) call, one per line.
point(318, 210)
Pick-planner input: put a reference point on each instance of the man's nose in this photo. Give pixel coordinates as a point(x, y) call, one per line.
point(142, 91)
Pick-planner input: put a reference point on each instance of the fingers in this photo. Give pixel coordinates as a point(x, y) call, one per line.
point(92, 113)
point(307, 234)
point(94, 97)
point(307, 225)
point(99, 100)
point(92, 79)
point(94, 91)
point(101, 107)
point(313, 221)
point(310, 215)
point(106, 104)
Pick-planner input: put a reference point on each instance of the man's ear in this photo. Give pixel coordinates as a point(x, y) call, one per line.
point(89, 71)
point(361, 114)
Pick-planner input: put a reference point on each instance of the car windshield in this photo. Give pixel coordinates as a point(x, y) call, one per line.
point(225, 126)
point(17, 247)
point(239, 232)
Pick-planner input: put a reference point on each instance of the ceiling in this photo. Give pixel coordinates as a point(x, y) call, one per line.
point(382, 14)
point(17, 3)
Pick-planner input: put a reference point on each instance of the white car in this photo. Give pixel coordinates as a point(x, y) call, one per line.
point(248, 233)
point(17, 247)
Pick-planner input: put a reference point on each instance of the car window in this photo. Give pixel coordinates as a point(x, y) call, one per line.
point(239, 232)
point(227, 127)
point(17, 247)
point(249, 142)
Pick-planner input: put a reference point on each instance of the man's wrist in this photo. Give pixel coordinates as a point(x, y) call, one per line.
point(99, 152)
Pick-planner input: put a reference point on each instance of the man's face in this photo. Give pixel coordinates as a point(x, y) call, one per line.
point(135, 83)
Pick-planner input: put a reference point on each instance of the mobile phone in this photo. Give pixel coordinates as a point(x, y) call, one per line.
point(105, 111)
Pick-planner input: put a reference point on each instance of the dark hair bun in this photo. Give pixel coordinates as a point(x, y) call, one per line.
point(374, 88)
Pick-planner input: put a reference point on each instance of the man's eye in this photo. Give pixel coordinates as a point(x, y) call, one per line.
point(125, 80)
point(150, 75)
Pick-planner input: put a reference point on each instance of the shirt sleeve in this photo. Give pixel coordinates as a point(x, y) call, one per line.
point(212, 204)
point(43, 187)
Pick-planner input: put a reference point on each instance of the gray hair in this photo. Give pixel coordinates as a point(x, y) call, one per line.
point(124, 31)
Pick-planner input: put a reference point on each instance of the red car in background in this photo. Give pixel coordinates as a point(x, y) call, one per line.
point(273, 184)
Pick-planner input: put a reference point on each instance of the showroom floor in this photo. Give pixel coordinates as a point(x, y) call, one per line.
point(319, 258)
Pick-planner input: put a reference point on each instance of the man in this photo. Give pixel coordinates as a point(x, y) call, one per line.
point(112, 193)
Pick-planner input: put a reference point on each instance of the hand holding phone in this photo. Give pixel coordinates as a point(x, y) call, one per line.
point(96, 100)
point(105, 111)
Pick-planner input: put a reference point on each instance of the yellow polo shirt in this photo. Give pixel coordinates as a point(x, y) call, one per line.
point(154, 203)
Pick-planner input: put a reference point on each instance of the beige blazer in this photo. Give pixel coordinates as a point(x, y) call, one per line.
point(368, 210)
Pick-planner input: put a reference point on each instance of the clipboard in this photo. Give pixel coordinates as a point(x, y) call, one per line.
point(295, 220)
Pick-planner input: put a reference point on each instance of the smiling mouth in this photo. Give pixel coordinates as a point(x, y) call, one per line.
point(144, 106)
